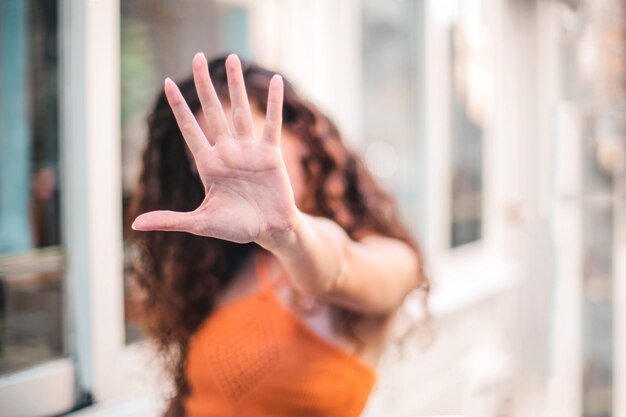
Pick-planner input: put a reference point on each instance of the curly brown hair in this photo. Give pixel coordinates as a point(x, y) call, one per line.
point(181, 274)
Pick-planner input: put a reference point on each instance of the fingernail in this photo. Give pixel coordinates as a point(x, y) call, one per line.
point(232, 57)
point(198, 58)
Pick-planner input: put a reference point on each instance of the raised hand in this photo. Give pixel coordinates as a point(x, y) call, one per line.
point(248, 194)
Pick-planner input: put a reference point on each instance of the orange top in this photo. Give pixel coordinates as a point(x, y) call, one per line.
point(254, 357)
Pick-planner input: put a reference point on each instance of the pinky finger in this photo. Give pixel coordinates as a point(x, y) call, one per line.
point(274, 115)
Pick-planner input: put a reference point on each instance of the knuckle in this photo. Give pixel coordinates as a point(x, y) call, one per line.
point(240, 112)
point(212, 113)
point(187, 127)
point(241, 117)
point(272, 125)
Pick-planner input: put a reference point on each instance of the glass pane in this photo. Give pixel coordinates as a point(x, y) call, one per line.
point(158, 40)
point(32, 325)
point(607, 133)
point(598, 310)
point(391, 136)
point(597, 296)
point(470, 97)
point(31, 282)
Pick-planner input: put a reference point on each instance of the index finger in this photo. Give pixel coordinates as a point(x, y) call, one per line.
point(187, 123)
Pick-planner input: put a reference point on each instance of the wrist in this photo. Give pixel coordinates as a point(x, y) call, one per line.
point(286, 238)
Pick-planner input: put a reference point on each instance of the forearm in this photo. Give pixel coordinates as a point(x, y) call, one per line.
point(371, 276)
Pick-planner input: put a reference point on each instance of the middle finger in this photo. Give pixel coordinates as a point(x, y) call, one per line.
point(211, 106)
point(242, 118)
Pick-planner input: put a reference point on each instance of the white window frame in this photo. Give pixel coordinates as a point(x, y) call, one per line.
point(98, 363)
point(42, 390)
point(53, 383)
point(102, 329)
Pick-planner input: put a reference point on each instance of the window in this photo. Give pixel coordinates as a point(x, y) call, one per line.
point(600, 198)
point(459, 87)
point(34, 343)
point(468, 113)
point(32, 323)
point(589, 127)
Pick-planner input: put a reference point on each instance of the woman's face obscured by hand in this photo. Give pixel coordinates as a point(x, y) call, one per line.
point(292, 148)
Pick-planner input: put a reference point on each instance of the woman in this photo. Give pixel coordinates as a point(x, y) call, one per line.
point(277, 296)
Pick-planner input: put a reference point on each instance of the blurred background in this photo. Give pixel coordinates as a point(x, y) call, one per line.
point(499, 125)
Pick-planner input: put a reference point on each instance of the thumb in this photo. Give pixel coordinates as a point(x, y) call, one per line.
point(165, 220)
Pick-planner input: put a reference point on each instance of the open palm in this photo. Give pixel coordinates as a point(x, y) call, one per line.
point(248, 194)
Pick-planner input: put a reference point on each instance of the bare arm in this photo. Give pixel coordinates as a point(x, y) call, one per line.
point(371, 276)
point(249, 199)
